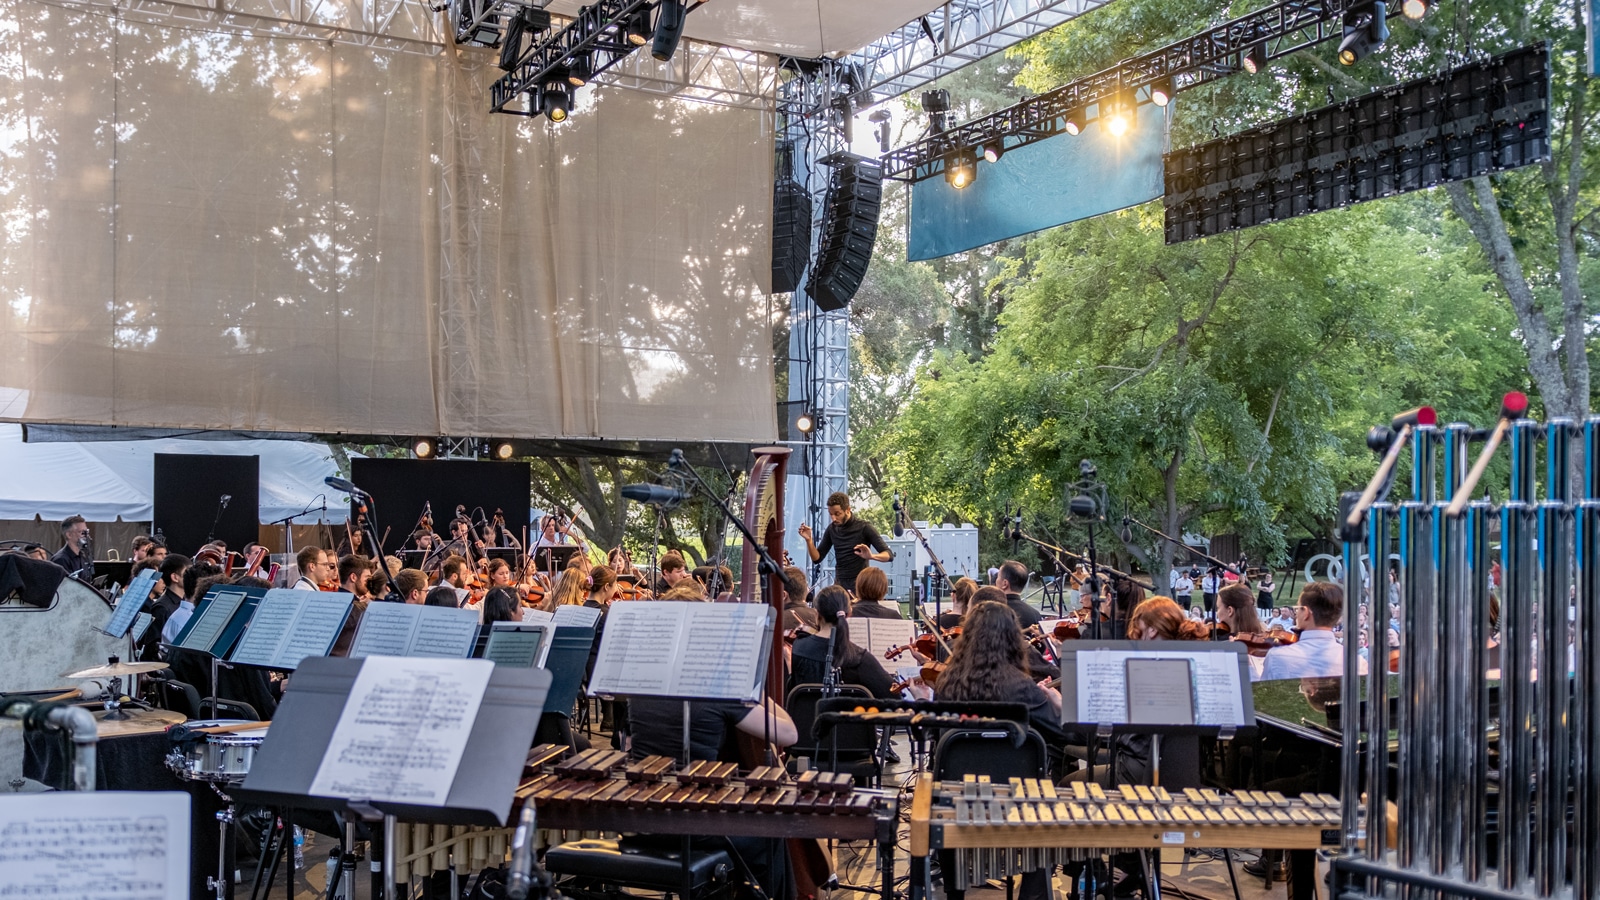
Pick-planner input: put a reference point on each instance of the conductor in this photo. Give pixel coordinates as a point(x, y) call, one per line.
point(852, 540)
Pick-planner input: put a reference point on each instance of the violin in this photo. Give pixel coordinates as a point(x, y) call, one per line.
point(1067, 629)
point(929, 676)
point(925, 644)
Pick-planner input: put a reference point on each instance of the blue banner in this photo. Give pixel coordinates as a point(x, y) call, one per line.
point(1059, 180)
point(1594, 38)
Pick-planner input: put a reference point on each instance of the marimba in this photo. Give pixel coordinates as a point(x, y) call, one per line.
point(1001, 829)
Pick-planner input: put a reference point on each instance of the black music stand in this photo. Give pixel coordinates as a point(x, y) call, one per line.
point(286, 766)
point(553, 558)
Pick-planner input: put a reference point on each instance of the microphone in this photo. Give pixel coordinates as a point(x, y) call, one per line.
point(899, 527)
point(653, 494)
point(345, 485)
point(225, 499)
point(1016, 529)
point(675, 459)
point(519, 879)
point(1127, 532)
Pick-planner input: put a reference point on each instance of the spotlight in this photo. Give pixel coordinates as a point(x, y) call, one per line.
point(501, 450)
point(669, 28)
point(1074, 123)
point(1365, 30)
point(993, 150)
point(1118, 114)
point(881, 119)
point(1414, 9)
point(557, 102)
point(424, 448)
point(1254, 59)
point(581, 71)
point(638, 29)
point(1161, 91)
point(960, 169)
point(805, 423)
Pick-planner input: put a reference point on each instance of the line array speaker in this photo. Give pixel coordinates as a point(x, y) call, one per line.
point(850, 227)
point(791, 235)
point(1485, 117)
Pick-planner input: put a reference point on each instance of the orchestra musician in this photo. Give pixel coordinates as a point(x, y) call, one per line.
point(500, 604)
point(313, 564)
point(571, 589)
point(960, 599)
point(461, 542)
point(673, 570)
point(413, 586)
point(76, 554)
point(453, 572)
point(796, 612)
point(1012, 579)
point(855, 666)
point(872, 584)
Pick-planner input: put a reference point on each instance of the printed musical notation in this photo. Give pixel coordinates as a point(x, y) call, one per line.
point(289, 626)
point(208, 623)
point(401, 629)
point(694, 650)
point(98, 846)
point(403, 730)
point(579, 616)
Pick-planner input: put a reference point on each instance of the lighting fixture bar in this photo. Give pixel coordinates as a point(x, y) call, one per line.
point(598, 32)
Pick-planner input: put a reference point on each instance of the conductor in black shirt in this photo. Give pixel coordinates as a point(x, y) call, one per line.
point(852, 540)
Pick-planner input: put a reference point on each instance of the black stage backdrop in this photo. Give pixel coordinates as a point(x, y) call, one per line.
point(188, 493)
point(399, 487)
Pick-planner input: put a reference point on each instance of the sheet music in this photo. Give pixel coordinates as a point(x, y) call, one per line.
point(581, 616)
point(878, 636)
point(722, 651)
point(1103, 685)
point(130, 602)
point(207, 624)
point(141, 623)
point(638, 651)
point(105, 845)
point(444, 632)
point(289, 626)
point(386, 629)
point(531, 616)
point(514, 647)
point(403, 730)
point(268, 626)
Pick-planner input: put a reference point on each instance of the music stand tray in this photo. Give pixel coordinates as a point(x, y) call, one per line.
point(554, 557)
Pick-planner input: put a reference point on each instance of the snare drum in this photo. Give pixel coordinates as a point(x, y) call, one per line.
point(222, 758)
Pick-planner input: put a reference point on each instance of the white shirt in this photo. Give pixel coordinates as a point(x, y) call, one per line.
point(176, 621)
point(305, 584)
point(1209, 584)
point(1183, 587)
point(1318, 654)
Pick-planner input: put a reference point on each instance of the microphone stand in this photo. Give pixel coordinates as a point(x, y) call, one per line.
point(1216, 563)
point(942, 576)
point(222, 504)
point(1095, 568)
point(287, 521)
point(768, 566)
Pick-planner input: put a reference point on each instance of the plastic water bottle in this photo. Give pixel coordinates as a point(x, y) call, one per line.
point(299, 848)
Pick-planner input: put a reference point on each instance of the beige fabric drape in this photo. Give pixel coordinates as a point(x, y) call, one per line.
point(217, 231)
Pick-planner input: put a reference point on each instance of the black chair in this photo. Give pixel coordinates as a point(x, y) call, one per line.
point(604, 868)
point(183, 697)
point(1013, 751)
point(848, 748)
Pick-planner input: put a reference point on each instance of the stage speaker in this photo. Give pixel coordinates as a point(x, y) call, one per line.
point(850, 227)
point(791, 235)
point(190, 508)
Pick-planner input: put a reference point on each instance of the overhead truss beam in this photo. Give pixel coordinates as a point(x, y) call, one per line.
point(1280, 29)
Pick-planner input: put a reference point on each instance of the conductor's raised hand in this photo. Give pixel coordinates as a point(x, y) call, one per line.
point(804, 531)
point(863, 551)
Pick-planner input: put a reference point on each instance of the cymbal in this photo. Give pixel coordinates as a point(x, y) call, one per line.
point(139, 721)
point(113, 670)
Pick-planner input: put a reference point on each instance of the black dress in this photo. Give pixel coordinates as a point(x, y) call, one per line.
point(856, 666)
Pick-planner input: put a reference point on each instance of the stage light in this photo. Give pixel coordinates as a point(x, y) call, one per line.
point(805, 423)
point(1365, 30)
point(638, 29)
point(581, 71)
point(1414, 9)
point(1254, 59)
point(960, 169)
point(424, 448)
point(1074, 121)
point(936, 103)
point(993, 150)
point(556, 101)
point(1118, 112)
point(501, 450)
point(1161, 91)
point(669, 28)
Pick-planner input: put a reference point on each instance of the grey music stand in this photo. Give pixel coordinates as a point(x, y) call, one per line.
point(286, 765)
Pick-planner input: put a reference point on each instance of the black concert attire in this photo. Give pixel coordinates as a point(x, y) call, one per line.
point(1026, 614)
point(796, 613)
point(73, 561)
point(657, 729)
point(948, 620)
point(160, 609)
point(808, 665)
point(842, 540)
point(863, 609)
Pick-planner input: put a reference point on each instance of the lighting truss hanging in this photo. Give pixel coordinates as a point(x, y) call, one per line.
point(1271, 32)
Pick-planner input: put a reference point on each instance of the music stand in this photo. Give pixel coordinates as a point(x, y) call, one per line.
point(553, 558)
point(509, 554)
point(287, 763)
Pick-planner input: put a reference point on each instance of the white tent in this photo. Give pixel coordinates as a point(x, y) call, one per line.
point(102, 480)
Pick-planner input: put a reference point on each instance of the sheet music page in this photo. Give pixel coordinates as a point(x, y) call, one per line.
point(445, 633)
point(385, 629)
point(322, 617)
point(513, 647)
point(105, 845)
point(403, 730)
point(581, 616)
point(207, 624)
point(130, 602)
point(1160, 691)
point(722, 645)
point(269, 625)
point(141, 622)
point(1103, 685)
point(639, 649)
point(531, 616)
point(880, 635)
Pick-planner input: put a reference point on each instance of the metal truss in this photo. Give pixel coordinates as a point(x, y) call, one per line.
point(708, 73)
point(403, 26)
point(461, 199)
point(459, 447)
point(598, 33)
point(1274, 31)
point(956, 34)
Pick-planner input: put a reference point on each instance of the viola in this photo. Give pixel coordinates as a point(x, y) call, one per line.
point(1067, 630)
